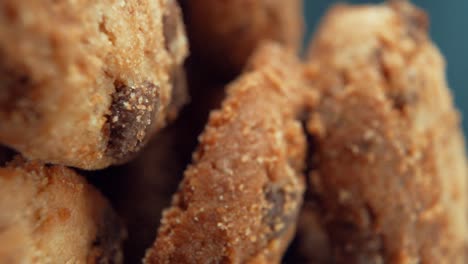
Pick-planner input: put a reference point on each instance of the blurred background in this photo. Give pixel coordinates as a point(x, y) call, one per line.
point(449, 30)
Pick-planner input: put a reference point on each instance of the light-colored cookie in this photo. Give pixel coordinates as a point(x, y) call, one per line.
point(49, 214)
point(85, 83)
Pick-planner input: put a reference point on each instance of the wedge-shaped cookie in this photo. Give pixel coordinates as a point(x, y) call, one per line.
point(239, 199)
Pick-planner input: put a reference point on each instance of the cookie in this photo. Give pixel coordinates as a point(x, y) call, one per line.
point(142, 188)
point(223, 34)
point(388, 167)
point(89, 91)
point(49, 214)
point(240, 197)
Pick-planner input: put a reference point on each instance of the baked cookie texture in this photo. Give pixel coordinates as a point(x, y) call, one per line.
point(223, 34)
point(142, 188)
point(88, 91)
point(57, 218)
point(388, 170)
point(239, 200)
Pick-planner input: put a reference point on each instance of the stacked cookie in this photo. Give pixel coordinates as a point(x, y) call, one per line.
point(354, 155)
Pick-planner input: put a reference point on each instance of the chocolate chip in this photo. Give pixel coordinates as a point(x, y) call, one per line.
point(131, 117)
point(276, 198)
point(275, 217)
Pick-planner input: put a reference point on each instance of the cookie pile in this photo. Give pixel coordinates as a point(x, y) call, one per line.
point(192, 132)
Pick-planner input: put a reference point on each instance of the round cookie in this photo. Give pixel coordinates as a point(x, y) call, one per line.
point(388, 169)
point(223, 34)
point(85, 83)
point(49, 214)
point(239, 200)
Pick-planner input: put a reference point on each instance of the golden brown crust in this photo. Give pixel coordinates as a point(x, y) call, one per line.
point(68, 89)
point(239, 199)
point(142, 188)
point(49, 214)
point(223, 34)
point(388, 179)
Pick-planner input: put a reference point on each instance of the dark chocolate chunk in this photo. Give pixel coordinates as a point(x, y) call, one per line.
point(131, 117)
point(276, 217)
point(275, 197)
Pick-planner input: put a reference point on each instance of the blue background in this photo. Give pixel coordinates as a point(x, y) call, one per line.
point(449, 30)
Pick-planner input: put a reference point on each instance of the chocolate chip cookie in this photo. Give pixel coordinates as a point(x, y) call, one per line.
point(49, 214)
point(239, 200)
point(388, 167)
point(86, 83)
